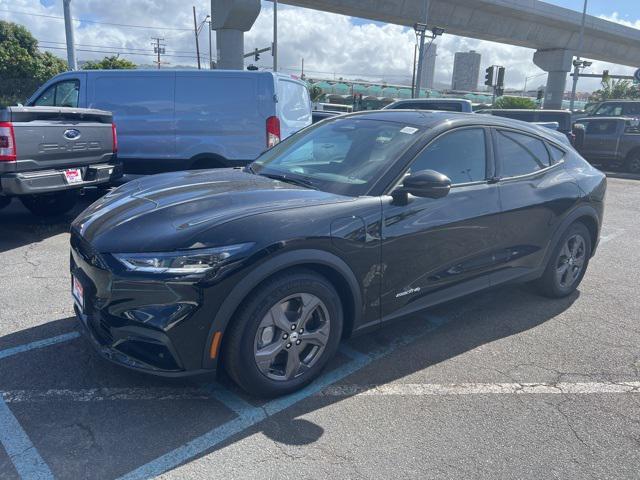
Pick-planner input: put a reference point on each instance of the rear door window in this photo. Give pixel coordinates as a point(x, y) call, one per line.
point(520, 154)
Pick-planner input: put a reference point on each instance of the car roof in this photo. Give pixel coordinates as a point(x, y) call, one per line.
point(432, 100)
point(430, 119)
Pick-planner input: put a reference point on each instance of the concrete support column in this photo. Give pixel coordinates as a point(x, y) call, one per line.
point(230, 19)
point(557, 62)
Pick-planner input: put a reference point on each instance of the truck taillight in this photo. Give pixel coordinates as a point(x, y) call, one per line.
point(114, 135)
point(273, 131)
point(7, 142)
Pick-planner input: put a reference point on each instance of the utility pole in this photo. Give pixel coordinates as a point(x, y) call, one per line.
point(68, 29)
point(158, 49)
point(274, 47)
point(577, 63)
point(421, 48)
point(210, 55)
point(195, 29)
point(302, 72)
point(413, 78)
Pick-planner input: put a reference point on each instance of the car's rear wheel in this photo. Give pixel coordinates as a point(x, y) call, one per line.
point(568, 263)
point(50, 204)
point(285, 334)
point(632, 165)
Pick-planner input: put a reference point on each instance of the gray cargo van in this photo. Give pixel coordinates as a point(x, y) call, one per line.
point(182, 119)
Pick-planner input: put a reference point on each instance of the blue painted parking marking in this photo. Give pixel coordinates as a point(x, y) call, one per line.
point(38, 344)
point(250, 415)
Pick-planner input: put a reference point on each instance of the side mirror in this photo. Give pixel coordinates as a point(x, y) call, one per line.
point(425, 183)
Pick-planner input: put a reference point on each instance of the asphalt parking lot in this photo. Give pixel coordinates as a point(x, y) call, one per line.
point(505, 384)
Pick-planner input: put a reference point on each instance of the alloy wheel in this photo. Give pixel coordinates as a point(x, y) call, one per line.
point(292, 336)
point(571, 261)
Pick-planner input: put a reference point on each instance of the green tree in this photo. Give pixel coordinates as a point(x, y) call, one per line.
point(514, 102)
point(113, 62)
point(22, 67)
point(615, 89)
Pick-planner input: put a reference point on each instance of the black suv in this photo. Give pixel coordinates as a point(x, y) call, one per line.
point(348, 224)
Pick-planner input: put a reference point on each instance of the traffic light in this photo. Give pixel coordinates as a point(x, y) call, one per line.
point(256, 55)
point(605, 75)
point(500, 81)
point(488, 78)
point(499, 91)
point(540, 94)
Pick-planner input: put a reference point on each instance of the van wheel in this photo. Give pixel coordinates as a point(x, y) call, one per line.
point(207, 162)
point(51, 204)
point(632, 165)
point(568, 263)
point(284, 335)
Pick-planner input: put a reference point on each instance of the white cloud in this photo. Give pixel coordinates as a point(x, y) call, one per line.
point(329, 43)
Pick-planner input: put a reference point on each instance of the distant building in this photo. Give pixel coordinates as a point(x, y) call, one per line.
point(429, 69)
point(466, 71)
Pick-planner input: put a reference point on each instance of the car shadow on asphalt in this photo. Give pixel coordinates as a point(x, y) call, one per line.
point(19, 227)
point(82, 412)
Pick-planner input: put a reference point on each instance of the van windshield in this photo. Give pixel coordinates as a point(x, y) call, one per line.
point(345, 156)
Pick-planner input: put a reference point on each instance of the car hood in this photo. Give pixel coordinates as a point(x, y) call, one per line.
point(168, 211)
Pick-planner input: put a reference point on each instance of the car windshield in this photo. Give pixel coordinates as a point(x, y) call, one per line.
point(345, 156)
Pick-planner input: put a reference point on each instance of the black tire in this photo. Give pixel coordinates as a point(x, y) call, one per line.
point(551, 283)
point(632, 164)
point(51, 204)
point(240, 348)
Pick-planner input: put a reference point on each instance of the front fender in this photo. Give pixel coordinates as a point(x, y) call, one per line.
point(271, 266)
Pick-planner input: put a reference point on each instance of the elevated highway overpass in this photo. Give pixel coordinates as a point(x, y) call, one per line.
point(550, 30)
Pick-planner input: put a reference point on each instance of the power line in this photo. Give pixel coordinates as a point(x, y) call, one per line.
point(82, 20)
point(114, 52)
point(112, 47)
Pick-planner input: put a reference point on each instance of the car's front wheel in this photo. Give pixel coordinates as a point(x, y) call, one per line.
point(285, 334)
point(568, 263)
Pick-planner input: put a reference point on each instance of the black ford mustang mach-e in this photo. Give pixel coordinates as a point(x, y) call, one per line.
point(348, 224)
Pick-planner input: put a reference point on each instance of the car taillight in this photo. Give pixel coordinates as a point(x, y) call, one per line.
point(114, 135)
point(7, 142)
point(273, 131)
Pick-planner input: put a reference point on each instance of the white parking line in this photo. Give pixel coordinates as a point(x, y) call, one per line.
point(103, 394)
point(419, 389)
point(38, 344)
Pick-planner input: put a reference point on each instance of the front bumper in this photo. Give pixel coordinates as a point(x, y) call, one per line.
point(143, 324)
point(46, 181)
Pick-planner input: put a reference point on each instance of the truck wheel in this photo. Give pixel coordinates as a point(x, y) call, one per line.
point(633, 164)
point(4, 202)
point(50, 204)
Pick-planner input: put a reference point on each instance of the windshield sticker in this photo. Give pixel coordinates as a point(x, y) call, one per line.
point(409, 130)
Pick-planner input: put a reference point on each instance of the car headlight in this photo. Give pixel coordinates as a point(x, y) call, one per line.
point(185, 261)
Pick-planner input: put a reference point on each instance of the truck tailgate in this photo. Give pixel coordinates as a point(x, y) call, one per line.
point(56, 138)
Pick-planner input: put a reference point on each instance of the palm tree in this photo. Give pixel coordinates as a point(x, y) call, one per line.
point(615, 89)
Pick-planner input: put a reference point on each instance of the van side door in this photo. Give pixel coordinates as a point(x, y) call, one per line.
point(143, 111)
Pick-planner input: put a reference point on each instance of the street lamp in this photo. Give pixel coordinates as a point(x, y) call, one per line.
point(577, 63)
